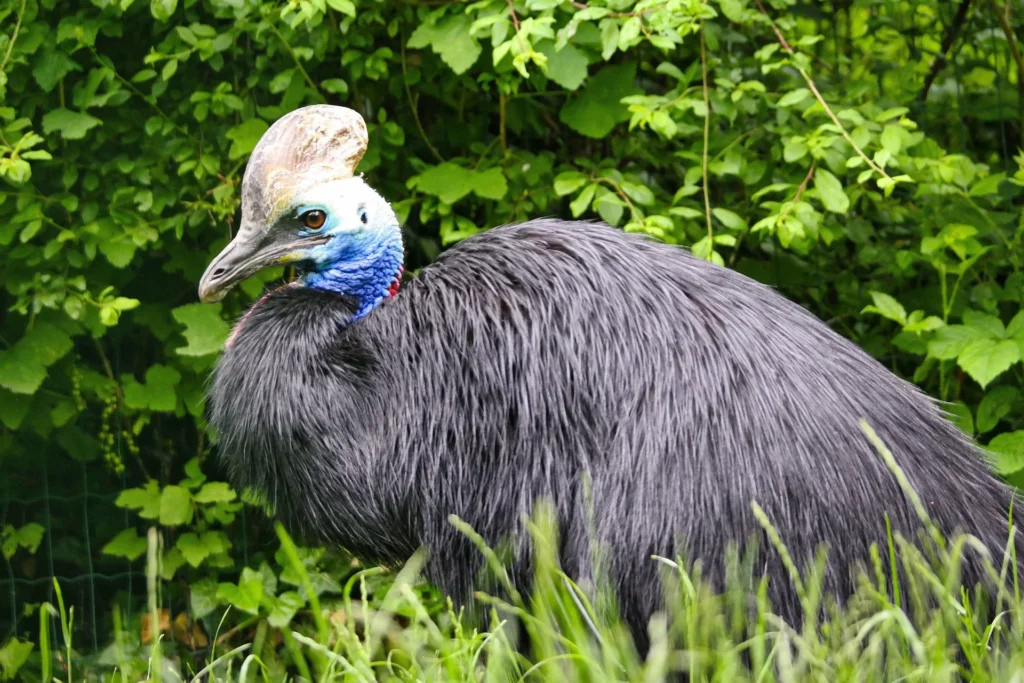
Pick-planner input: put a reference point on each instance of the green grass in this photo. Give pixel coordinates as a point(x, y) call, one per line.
point(929, 632)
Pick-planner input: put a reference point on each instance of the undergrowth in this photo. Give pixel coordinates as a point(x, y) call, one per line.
point(924, 627)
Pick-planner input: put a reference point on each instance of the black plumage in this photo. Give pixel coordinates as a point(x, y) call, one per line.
point(531, 358)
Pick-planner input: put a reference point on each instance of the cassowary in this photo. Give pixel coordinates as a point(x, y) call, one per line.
point(649, 395)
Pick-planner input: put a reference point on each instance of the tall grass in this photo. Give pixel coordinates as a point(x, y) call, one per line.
point(922, 627)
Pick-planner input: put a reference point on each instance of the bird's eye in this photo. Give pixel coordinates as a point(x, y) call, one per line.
point(363, 216)
point(314, 220)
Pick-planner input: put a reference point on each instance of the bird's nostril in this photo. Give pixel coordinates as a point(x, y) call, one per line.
point(218, 272)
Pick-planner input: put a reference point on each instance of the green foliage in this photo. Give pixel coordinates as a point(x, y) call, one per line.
point(28, 537)
point(13, 656)
point(371, 630)
point(809, 163)
point(206, 507)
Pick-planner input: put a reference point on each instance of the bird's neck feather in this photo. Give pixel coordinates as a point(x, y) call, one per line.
point(367, 268)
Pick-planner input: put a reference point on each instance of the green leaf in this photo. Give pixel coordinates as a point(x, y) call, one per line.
point(641, 194)
point(192, 549)
point(13, 408)
point(244, 137)
point(247, 594)
point(918, 324)
point(1007, 452)
point(729, 219)
point(566, 67)
point(794, 97)
point(170, 68)
point(215, 541)
point(163, 9)
point(986, 359)
point(13, 656)
point(175, 506)
point(490, 184)
point(629, 31)
point(830, 192)
point(794, 149)
point(30, 536)
point(609, 38)
point(987, 185)
point(582, 201)
point(127, 544)
point(598, 108)
point(448, 182)
point(215, 492)
point(170, 563)
point(146, 500)
point(285, 606)
point(890, 114)
point(733, 10)
point(71, 125)
point(887, 307)
point(23, 367)
point(950, 340)
point(117, 249)
point(194, 476)
point(335, 86)
point(20, 377)
point(892, 139)
point(269, 579)
point(51, 66)
point(157, 393)
point(205, 331)
point(610, 208)
point(1016, 326)
point(450, 39)
point(996, 405)
point(202, 595)
point(569, 182)
point(987, 325)
point(343, 6)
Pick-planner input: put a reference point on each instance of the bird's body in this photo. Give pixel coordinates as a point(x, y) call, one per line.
point(532, 361)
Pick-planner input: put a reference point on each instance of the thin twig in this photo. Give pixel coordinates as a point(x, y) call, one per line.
point(1011, 38)
point(821, 100)
point(148, 99)
point(515, 25)
point(109, 370)
point(298, 64)
point(799, 192)
point(620, 192)
point(226, 636)
point(14, 37)
point(414, 106)
point(939, 63)
point(707, 134)
point(501, 121)
point(487, 149)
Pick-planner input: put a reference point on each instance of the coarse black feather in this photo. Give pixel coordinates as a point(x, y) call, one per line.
point(532, 358)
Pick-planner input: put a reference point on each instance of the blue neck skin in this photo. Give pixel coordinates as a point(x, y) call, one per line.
point(364, 265)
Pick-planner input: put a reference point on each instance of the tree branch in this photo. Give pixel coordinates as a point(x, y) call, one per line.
point(959, 19)
point(821, 100)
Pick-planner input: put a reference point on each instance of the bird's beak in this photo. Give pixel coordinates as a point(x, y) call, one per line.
point(247, 254)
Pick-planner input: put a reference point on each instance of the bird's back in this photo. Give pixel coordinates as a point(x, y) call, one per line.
point(531, 358)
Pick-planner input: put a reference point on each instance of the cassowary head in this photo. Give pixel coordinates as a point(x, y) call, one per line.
point(301, 205)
